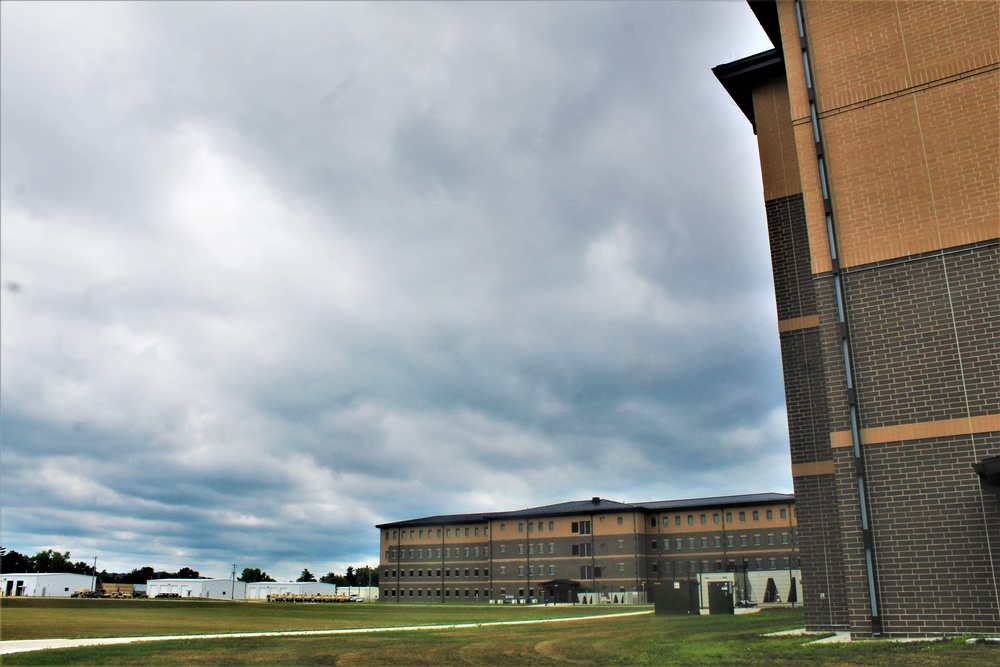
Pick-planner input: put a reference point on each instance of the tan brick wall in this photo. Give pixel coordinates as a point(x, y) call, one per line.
point(864, 49)
point(917, 173)
point(909, 100)
point(778, 160)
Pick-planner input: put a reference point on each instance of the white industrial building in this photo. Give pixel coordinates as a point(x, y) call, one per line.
point(261, 589)
point(219, 589)
point(44, 585)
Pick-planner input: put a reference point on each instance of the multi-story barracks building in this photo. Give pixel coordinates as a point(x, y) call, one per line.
point(878, 127)
point(594, 550)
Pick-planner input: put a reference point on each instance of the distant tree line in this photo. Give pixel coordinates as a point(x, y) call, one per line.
point(363, 576)
point(53, 561)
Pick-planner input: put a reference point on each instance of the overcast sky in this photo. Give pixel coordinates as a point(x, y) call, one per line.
point(275, 273)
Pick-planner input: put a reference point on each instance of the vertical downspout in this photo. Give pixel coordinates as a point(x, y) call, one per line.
point(635, 548)
point(489, 556)
point(725, 542)
point(399, 534)
point(442, 563)
point(593, 559)
point(527, 555)
point(859, 467)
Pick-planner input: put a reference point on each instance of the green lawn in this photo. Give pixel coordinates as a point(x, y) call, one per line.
point(633, 640)
point(46, 618)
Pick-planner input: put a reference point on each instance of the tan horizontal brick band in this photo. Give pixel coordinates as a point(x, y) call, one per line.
point(919, 431)
point(817, 468)
point(797, 323)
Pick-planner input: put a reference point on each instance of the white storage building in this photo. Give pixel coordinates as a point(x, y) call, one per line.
point(261, 589)
point(49, 584)
point(219, 589)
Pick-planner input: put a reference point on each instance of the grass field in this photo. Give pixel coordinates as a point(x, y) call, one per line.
point(633, 640)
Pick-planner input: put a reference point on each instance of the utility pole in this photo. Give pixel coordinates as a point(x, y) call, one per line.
point(93, 577)
point(232, 591)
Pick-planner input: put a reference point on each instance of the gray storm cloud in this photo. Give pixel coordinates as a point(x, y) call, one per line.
point(275, 273)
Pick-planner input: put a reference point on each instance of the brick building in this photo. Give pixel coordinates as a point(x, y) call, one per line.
point(595, 546)
point(878, 126)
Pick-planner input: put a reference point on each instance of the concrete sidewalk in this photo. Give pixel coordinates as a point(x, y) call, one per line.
point(21, 646)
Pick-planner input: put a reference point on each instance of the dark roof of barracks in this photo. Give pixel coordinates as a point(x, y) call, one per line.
point(596, 505)
point(720, 501)
point(740, 77)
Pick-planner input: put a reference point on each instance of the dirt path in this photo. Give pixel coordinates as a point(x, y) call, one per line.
point(23, 645)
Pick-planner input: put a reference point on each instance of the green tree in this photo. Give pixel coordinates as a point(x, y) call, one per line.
point(351, 576)
point(306, 576)
point(250, 575)
point(187, 573)
point(333, 578)
point(367, 576)
point(12, 561)
point(51, 561)
point(139, 576)
point(81, 567)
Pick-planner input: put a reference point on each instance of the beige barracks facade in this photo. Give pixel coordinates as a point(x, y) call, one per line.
point(604, 547)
